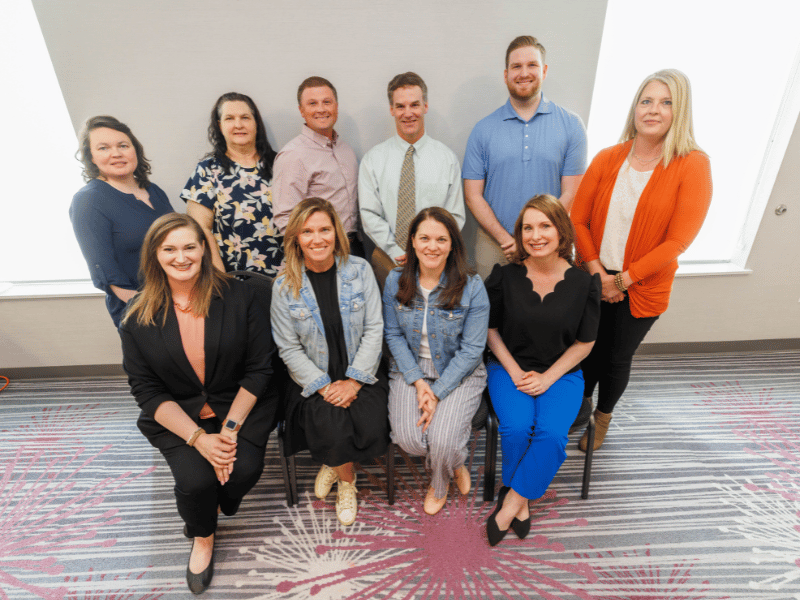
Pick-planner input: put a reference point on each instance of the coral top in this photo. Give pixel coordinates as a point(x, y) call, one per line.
point(669, 215)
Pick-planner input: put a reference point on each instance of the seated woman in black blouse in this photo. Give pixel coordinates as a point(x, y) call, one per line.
point(542, 324)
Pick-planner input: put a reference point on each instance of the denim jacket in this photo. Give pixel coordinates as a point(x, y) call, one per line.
point(457, 337)
point(300, 337)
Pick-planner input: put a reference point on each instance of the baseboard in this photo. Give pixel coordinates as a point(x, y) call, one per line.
point(64, 372)
point(716, 347)
point(645, 349)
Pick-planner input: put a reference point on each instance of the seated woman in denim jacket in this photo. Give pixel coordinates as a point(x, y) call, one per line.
point(436, 315)
point(326, 319)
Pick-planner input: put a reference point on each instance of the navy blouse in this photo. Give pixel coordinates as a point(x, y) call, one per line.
point(110, 227)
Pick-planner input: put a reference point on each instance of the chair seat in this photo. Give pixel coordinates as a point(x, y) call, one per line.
point(479, 419)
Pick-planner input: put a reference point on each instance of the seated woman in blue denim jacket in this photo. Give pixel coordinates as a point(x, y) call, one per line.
point(436, 316)
point(327, 323)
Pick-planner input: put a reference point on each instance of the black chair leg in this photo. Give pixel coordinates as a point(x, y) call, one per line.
point(490, 460)
point(587, 464)
point(285, 470)
point(390, 473)
point(293, 478)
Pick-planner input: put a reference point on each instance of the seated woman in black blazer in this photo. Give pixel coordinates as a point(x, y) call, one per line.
point(197, 349)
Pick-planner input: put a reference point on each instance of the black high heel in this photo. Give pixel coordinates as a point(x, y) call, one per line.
point(199, 582)
point(493, 532)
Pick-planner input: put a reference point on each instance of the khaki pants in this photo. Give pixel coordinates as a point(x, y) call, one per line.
point(487, 253)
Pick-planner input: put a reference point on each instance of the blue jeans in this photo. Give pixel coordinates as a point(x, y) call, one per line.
point(533, 430)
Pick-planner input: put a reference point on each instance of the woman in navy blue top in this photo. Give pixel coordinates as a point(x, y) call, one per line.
point(114, 210)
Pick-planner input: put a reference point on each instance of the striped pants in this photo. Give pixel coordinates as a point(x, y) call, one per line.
point(445, 441)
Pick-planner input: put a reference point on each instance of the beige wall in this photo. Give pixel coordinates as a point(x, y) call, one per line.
point(160, 65)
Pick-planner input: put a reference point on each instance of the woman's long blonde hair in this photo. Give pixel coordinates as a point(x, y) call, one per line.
point(679, 140)
point(156, 295)
point(294, 260)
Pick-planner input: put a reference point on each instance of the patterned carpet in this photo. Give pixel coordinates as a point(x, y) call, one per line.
point(695, 495)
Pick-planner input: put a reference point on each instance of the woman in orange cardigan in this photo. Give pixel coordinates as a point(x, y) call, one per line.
point(639, 206)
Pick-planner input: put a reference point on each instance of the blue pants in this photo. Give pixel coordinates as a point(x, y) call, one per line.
point(533, 430)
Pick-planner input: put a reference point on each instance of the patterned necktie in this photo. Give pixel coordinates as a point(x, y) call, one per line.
point(406, 200)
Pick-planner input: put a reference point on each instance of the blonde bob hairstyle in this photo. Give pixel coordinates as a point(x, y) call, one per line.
point(156, 295)
point(551, 208)
point(294, 259)
point(679, 140)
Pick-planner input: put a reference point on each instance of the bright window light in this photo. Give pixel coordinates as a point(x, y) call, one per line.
point(739, 57)
point(37, 242)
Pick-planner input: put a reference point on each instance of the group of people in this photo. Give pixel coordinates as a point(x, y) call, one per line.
point(574, 267)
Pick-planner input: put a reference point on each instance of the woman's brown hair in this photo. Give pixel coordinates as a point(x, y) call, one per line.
point(156, 295)
point(293, 255)
point(551, 208)
point(84, 153)
point(456, 269)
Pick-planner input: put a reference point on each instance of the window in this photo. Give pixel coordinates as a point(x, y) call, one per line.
point(742, 61)
point(37, 242)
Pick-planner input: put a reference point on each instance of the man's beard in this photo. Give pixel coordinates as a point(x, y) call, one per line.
point(513, 93)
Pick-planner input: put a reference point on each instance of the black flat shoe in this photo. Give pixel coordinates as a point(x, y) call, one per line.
point(493, 532)
point(199, 582)
point(521, 528)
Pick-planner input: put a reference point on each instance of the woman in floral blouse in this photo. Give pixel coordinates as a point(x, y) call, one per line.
point(229, 193)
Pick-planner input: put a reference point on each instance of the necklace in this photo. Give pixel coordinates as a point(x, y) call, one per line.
point(183, 309)
point(641, 160)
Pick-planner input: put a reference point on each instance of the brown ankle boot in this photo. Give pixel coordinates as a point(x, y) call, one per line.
point(601, 421)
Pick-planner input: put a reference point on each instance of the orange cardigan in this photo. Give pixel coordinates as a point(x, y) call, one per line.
point(669, 215)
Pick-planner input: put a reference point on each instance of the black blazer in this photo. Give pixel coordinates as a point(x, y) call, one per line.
point(238, 353)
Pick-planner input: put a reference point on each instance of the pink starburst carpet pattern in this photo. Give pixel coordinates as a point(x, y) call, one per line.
point(695, 495)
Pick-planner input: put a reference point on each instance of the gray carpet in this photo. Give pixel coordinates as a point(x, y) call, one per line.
point(695, 495)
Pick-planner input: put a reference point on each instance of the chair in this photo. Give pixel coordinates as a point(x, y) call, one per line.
point(484, 418)
point(489, 469)
point(587, 461)
point(263, 286)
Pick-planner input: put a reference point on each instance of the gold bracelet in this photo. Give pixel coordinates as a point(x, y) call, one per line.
point(352, 385)
point(193, 438)
point(618, 281)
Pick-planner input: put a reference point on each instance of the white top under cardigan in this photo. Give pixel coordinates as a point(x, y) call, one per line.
point(627, 190)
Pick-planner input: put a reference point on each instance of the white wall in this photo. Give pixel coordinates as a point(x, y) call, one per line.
point(159, 66)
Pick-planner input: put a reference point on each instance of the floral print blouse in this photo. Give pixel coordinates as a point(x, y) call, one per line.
point(242, 204)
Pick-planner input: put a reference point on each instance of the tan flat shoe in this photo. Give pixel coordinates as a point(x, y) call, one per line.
point(433, 504)
point(463, 480)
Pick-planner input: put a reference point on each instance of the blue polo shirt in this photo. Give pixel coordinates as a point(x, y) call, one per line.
point(519, 159)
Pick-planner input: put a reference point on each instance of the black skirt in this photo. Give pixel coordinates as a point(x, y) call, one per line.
point(333, 434)
point(336, 435)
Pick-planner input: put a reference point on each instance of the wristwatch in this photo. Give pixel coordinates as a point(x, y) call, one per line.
point(232, 425)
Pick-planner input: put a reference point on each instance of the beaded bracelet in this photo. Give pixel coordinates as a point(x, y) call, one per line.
point(620, 283)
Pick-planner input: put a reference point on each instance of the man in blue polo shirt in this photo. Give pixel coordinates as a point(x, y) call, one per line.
point(526, 147)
